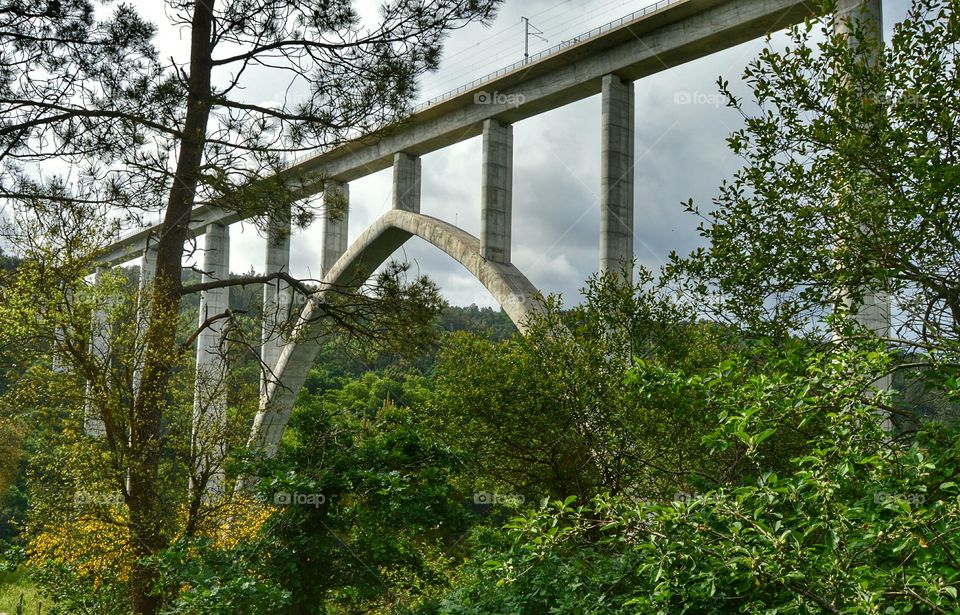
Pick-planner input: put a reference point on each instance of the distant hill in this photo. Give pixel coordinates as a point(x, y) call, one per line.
point(337, 358)
point(7, 263)
point(494, 323)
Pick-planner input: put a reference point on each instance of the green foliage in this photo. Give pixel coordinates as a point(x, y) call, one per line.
point(552, 414)
point(11, 451)
point(339, 357)
point(364, 513)
point(365, 395)
point(69, 596)
point(492, 323)
point(388, 507)
point(219, 581)
point(16, 591)
point(857, 524)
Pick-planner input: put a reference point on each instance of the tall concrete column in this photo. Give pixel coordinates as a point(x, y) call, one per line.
point(496, 191)
point(873, 313)
point(616, 175)
point(276, 294)
point(210, 393)
point(336, 216)
point(59, 336)
point(406, 182)
point(868, 12)
point(99, 353)
point(148, 271)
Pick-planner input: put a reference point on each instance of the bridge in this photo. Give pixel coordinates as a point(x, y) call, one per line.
point(606, 61)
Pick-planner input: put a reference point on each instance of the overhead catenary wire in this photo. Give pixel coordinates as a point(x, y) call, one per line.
point(513, 50)
point(508, 30)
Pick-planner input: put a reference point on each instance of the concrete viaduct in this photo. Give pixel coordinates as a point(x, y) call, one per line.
point(606, 61)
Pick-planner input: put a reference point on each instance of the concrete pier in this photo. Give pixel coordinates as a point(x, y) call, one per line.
point(874, 312)
point(616, 175)
point(496, 191)
point(148, 271)
point(210, 394)
point(100, 354)
point(406, 182)
point(868, 12)
point(336, 217)
point(277, 294)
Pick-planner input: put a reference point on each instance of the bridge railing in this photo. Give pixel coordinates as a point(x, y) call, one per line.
point(616, 23)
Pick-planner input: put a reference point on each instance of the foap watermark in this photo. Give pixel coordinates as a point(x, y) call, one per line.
point(286, 498)
point(83, 499)
point(498, 98)
point(714, 99)
point(498, 499)
point(507, 302)
point(887, 497)
point(685, 498)
point(515, 300)
point(899, 99)
point(689, 498)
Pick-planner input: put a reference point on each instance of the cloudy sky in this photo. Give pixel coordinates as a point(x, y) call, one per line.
point(680, 154)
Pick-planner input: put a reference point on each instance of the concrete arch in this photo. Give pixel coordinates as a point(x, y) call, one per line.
point(505, 282)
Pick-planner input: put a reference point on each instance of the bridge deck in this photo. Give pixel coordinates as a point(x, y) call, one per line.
point(669, 35)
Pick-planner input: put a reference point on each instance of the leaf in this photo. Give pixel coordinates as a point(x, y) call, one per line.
point(832, 540)
point(763, 435)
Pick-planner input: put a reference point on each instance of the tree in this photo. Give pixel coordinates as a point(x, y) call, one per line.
point(362, 513)
point(856, 525)
point(849, 184)
point(550, 414)
point(132, 133)
point(11, 445)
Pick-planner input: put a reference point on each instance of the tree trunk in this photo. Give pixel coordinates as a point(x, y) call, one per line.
point(147, 518)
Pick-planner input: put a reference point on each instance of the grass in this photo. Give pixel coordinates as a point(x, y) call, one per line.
point(12, 586)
